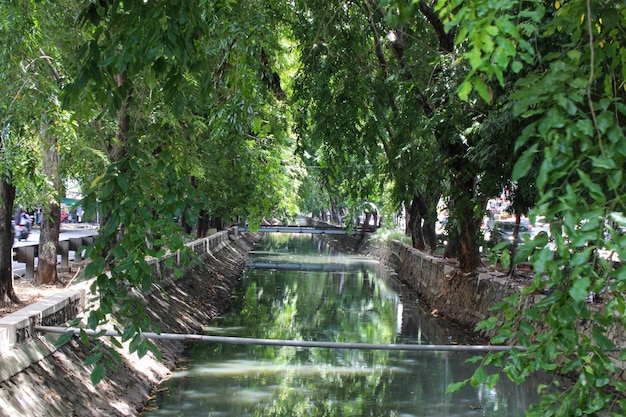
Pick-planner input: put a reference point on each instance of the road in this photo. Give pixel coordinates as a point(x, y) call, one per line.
point(67, 231)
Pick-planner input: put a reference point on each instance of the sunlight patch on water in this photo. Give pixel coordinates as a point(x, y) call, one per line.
point(228, 331)
point(251, 367)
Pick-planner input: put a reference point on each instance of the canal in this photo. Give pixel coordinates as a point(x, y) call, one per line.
point(296, 287)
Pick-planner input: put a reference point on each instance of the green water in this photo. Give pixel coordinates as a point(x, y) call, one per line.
point(329, 297)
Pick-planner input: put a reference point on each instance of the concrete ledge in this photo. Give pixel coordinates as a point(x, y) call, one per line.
point(20, 346)
point(27, 254)
point(29, 352)
point(54, 310)
point(4, 341)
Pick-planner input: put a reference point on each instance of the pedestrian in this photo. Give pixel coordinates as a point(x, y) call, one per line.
point(38, 216)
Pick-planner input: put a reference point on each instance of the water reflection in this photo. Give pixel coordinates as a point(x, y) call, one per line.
point(350, 303)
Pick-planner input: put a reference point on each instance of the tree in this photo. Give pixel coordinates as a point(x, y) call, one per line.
point(7, 194)
point(19, 108)
point(571, 93)
point(51, 211)
point(368, 88)
point(187, 96)
point(35, 115)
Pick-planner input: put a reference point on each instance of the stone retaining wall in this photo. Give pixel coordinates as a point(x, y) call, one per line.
point(463, 298)
point(466, 298)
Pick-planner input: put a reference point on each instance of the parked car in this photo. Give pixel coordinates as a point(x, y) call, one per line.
point(502, 231)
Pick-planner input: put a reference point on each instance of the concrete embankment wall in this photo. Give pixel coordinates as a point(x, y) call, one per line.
point(39, 379)
point(462, 298)
point(467, 298)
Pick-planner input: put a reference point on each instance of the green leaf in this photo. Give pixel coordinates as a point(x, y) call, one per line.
point(142, 348)
point(475, 359)
point(532, 313)
point(505, 258)
point(122, 182)
point(601, 340)
point(464, 90)
point(84, 338)
point(116, 343)
point(542, 259)
point(571, 365)
point(605, 121)
point(456, 386)
point(488, 324)
point(97, 374)
point(155, 351)
point(524, 163)
point(527, 328)
point(602, 381)
point(499, 339)
point(581, 258)
point(580, 289)
point(95, 357)
point(64, 338)
point(482, 89)
point(135, 343)
point(479, 377)
point(492, 380)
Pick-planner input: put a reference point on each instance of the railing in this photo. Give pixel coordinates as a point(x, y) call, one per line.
point(27, 254)
point(162, 267)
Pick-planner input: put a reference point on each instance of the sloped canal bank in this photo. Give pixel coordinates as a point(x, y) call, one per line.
point(296, 287)
point(59, 384)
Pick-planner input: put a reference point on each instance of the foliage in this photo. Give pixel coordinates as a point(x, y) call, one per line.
point(572, 95)
point(186, 121)
point(174, 108)
point(385, 235)
point(21, 83)
point(360, 105)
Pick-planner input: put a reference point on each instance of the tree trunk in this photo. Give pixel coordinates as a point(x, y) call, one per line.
point(453, 247)
point(116, 151)
point(7, 197)
point(462, 237)
point(217, 223)
point(187, 227)
point(415, 224)
point(334, 213)
point(430, 234)
point(462, 187)
point(51, 222)
point(422, 223)
point(513, 268)
point(203, 224)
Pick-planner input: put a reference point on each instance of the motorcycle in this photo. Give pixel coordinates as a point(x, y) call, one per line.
point(21, 232)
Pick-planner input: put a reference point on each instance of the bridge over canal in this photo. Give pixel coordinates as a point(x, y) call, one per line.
point(299, 229)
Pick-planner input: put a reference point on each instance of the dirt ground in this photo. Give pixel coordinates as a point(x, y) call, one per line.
point(30, 293)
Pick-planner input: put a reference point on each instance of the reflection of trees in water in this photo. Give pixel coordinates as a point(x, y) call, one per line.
point(294, 244)
point(348, 306)
point(338, 395)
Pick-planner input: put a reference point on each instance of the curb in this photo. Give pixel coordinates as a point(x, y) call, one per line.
point(20, 346)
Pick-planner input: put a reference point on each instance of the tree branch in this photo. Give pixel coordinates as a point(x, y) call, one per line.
point(446, 40)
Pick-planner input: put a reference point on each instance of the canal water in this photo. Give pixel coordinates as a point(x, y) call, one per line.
point(296, 287)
